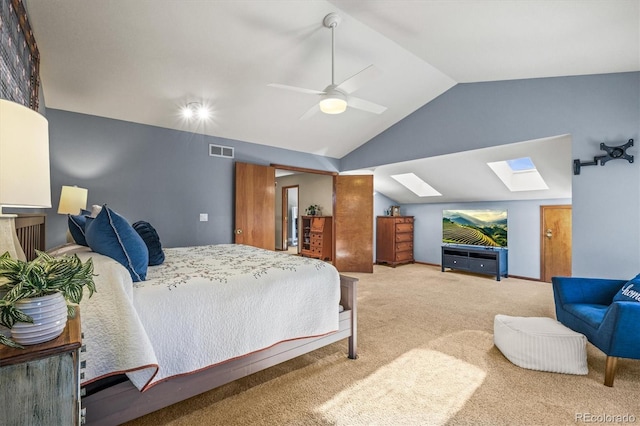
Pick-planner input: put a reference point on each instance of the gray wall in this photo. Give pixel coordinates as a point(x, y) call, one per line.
point(592, 109)
point(163, 176)
point(166, 177)
point(523, 236)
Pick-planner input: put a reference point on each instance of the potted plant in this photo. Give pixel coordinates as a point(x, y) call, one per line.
point(313, 210)
point(46, 288)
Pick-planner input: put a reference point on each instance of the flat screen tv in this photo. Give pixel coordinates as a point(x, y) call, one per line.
point(486, 228)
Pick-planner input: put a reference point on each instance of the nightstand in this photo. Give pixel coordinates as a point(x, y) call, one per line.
point(40, 384)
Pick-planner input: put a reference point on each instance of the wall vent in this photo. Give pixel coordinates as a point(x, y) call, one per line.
point(220, 151)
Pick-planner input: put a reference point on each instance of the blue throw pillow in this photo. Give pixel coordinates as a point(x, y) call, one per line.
point(630, 292)
point(111, 235)
point(77, 225)
point(150, 237)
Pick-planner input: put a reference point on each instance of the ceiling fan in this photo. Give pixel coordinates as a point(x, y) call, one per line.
point(335, 98)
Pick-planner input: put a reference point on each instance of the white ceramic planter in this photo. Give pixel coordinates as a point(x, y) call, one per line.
point(49, 315)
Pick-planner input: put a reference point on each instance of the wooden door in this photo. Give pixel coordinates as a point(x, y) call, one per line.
point(353, 223)
point(255, 205)
point(555, 242)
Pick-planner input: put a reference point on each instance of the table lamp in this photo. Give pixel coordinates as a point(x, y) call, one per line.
point(72, 200)
point(24, 168)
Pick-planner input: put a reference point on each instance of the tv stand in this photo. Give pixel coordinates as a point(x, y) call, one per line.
point(480, 260)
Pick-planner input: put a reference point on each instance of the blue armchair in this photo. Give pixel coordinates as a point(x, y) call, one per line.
point(586, 305)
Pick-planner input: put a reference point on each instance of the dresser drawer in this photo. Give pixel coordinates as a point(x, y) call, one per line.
point(404, 220)
point(403, 256)
point(404, 236)
point(404, 227)
point(316, 239)
point(404, 246)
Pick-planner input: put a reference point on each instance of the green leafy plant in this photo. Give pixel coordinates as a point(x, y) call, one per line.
point(40, 277)
point(313, 210)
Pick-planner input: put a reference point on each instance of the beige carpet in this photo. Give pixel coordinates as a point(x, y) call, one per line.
point(426, 358)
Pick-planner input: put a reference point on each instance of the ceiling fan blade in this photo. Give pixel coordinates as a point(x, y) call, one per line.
point(363, 105)
point(296, 89)
point(311, 111)
point(356, 81)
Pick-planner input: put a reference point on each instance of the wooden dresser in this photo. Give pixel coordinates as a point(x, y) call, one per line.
point(41, 384)
point(317, 237)
point(394, 240)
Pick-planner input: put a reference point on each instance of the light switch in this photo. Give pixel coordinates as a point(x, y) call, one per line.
point(204, 217)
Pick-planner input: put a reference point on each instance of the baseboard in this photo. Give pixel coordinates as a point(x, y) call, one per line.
point(510, 275)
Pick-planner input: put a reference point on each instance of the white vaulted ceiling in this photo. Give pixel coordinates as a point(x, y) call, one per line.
point(141, 60)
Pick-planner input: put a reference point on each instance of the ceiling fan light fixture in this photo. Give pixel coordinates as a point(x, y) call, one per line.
point(333, 103)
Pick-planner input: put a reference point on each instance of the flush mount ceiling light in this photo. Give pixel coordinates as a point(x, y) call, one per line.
point(335, 98)
point(195, 110)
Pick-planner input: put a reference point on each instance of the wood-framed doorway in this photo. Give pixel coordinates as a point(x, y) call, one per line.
point(555, 241)
point(352, 210)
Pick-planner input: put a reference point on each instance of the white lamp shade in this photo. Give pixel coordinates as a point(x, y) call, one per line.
point(24, 157)
point(72, 200)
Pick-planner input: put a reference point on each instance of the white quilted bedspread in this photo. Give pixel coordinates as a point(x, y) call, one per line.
point(202, 306)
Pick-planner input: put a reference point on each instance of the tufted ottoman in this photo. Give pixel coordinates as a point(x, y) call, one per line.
point(540, 343)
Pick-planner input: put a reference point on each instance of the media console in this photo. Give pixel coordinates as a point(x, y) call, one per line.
point(481, 260)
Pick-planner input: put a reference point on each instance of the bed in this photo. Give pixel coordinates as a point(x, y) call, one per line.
point(217, 347)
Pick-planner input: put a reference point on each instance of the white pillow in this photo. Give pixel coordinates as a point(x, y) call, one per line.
point(69, 248)
point(95, 210)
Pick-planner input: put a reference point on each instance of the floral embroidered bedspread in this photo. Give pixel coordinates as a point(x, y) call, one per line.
point(208, 304)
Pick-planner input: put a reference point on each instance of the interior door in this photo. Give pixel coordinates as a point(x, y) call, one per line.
point(353, 223)
point(255, 205)
point(555, 244)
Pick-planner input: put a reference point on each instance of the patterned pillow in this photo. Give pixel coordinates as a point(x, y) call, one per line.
point(630, 292)
point(152, 240)
point(77, 225)
point(111, 235)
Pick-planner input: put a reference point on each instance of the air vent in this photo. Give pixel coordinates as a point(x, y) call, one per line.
point(220, 151)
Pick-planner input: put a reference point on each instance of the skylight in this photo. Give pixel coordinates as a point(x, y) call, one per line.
point(416, 185)
point(519, 174)
point(521, 164)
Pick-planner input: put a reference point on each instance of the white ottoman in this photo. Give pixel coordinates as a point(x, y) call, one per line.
point(541, 344)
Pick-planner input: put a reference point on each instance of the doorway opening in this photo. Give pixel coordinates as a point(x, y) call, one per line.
point(289, 224)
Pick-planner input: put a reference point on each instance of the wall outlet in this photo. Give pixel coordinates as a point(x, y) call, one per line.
point(204, 217)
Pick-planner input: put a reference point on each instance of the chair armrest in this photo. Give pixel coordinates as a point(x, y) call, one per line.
point(585, 290)
point(620, 327)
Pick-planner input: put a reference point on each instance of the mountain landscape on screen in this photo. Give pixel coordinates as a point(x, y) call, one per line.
point(475, 227)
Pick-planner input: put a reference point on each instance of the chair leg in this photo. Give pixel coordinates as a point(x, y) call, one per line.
point(610, 370)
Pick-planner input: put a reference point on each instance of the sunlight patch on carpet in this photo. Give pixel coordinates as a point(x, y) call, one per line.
point(420, 387)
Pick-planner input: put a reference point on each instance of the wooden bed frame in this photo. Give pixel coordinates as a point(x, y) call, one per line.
point(123, 401)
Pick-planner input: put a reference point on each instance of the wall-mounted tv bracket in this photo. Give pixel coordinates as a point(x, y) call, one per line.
point(613, 153)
